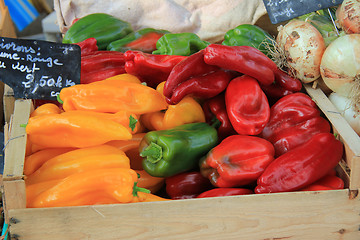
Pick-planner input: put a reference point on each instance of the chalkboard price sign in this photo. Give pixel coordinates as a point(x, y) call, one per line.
point(282, 10)
point(38, 69)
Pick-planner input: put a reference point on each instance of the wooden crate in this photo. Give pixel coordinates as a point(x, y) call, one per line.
point(293, 215)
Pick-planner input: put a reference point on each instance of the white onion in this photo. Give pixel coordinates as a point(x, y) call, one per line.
point(303, 47)
point(347, 109)
point(340, 65)
point(348, 16)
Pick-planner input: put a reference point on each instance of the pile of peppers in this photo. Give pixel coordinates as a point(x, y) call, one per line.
point(160, 116)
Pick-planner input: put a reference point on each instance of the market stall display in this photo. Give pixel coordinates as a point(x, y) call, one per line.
point(153, 139)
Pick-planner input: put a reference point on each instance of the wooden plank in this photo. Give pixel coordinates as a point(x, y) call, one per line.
point(15, 152)
point(297, 215)
point(347, 135)
point(14, 197)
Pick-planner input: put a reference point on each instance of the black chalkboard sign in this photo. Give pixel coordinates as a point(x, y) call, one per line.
point(282, 10)
point(38, 69)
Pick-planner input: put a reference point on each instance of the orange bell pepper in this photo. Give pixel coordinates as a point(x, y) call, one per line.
point(128, 96)
point(74, 130)
point(188, 110)
point(35, 160)
point(47, 108)
point(93, 187)
point(79, 160)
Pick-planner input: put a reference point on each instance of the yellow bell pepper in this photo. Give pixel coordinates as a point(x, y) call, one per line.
point(188, 110)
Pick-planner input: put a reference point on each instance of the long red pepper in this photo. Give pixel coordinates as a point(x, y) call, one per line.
point(301, 166)
point(150, 68)
point(192, 65)
point(243, 59)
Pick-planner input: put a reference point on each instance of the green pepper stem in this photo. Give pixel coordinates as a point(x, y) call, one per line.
point(23, 125)
point(132, 122)
point(137, 189)
point(153, 153)
point(59, 99)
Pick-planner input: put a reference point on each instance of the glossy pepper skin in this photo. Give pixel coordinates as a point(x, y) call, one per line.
point(294, 119)
point(243, 59)
point(100, 65)
point(176, 150)
point(301, 166)
point(101, 26)
point(247, 105)
point(101, 186)
point(54, 169)
point(237, 161)
point(188, 110)
point(186, 185)
point(249, 35)
point(35, 160)
point(194, 77)
point(184, 44)
point(124, 95)
point(143, 40)
point(216, 114)
point(74, 130)
point(47, 108)
point(223, 192)
point(150, 68)
point(329, 182)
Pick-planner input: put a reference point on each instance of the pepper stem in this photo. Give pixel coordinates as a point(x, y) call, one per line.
point(59, 99)
point(153, 153)
point(137, 189)
point(132, 122)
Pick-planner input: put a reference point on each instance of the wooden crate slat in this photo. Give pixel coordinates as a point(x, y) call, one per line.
point(297, 215)
point(15, 146)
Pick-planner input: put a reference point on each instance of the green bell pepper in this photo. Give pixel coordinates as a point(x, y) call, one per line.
point(250, 35)
point(101, 26)
point(139, 40)
point(183, 44)
point(176, 150)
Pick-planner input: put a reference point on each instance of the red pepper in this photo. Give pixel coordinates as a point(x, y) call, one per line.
point(329, 182)
point(294, 119)
point(146, 43)
point(201, 87)
point(186, 185)
point(215, 111)
point(243, 59)
point(274, 92)
point(150, 68)
point(237, 161)
point(191, 66)
point(287, 82)
point(222, 192)
point(247, 106)
point(99, 65)
point(301, 166)
point(88, 46)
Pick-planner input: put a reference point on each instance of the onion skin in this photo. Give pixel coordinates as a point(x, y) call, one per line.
point(303, 46)
point(347, 110)
point(340, 64)
point(348, 16)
